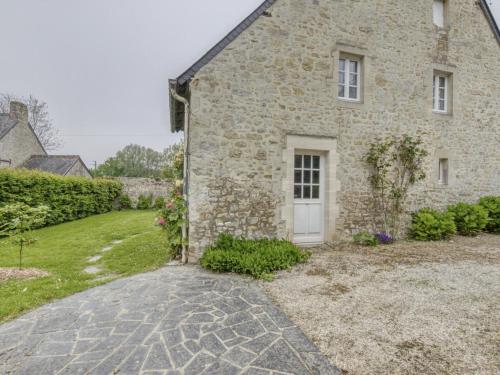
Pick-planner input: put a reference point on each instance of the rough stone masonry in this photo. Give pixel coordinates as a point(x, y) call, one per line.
point(280, 78)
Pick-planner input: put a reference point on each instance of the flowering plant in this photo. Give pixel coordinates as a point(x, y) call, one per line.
point(172, 218)
point(384, 238)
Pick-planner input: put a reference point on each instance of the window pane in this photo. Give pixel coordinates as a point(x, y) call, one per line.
point(341, 78)
point(442, 106)
point(442, 82)
point(441, 93)
point(353, 92)
point(316, 162)
point(298, 177)
point(307, 161)
point(341, 91)
point(307, 177)
point(307, 192)
point(353, 66)
point(297, 192)
point(353, 79)
point(298, 161)
point(316, 177)
point(438, 13)
point(315, 192)
point(342, 65)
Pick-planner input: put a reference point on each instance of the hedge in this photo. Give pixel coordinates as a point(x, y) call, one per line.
point(68, 198)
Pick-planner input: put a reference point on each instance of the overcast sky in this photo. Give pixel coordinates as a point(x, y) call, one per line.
point(103, 65)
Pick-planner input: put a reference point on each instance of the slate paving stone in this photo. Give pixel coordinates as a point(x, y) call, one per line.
point(177, 320)
point(157, 358)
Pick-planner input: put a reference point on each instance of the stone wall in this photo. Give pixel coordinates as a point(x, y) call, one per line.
point(280, 77)
point(134, 187)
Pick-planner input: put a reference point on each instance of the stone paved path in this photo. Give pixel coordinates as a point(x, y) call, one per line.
point(178, 320)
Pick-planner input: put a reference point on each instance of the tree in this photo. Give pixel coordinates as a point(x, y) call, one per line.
point(134, 161)
point(38, 117)
point(395, 164)
point(174, 156)
point(18, 220)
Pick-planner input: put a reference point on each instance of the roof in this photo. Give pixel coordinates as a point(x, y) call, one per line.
point(57, 164)
point(6, 124)
point(491, 19)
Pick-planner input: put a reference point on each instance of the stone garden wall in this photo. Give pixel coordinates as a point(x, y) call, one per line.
point(134, 187)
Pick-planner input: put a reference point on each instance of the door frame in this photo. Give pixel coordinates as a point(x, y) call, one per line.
point(328, 147)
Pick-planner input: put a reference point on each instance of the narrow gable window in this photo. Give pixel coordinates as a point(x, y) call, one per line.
point(439, 13)
point(440, 93)
point(443, 172)
point(349, 79)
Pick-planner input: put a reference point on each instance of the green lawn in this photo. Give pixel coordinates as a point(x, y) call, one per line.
point(63, 251)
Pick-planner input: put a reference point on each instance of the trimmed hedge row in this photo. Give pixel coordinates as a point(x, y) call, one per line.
point(68, 198)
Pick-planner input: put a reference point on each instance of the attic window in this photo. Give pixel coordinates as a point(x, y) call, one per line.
point(439, 13)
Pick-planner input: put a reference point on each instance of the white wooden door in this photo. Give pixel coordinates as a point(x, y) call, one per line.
point(309, 198)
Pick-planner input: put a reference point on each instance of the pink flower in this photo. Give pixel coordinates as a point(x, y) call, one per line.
point(170, 205)
point(161, 221)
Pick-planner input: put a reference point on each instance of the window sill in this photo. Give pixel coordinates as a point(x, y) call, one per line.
point(439, 113)
point(349, 103)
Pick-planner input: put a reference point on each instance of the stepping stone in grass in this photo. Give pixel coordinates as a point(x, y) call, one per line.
point(117, 242)
point(92, 270)
point(106, 249)
point(94, 258)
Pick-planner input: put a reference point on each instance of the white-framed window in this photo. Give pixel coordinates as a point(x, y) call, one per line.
point(438, 13)
point(349, 79)
point(440, 95)
point(443, 171)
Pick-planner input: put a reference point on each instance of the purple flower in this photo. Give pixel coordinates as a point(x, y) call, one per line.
point(384, 238)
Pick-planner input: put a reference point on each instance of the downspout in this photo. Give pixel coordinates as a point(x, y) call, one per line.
point(187, 110)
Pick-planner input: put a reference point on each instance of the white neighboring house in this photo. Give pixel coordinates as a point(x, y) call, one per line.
point(21, 148)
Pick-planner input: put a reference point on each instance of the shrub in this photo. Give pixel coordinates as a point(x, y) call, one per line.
point(470, 219)
point(258, 258)
point(125, 202)
point(144, 202)
point(159, 203)
point(68, 198)
point(365, 239)
point(492, 206)
point(432, 225)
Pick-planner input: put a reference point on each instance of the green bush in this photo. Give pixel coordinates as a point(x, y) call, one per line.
point(432, 225)
point(365, 239)
point(492, 206)
point(68, 198)
point(258, 258)
point(160, 203)
point(144, 202)
point(124, 202)
point(470, 219)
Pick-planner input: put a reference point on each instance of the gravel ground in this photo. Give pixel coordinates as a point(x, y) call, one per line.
point(24, 273)
point(408, 308)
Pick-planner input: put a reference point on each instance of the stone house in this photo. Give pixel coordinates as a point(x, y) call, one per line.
point(21, 148)
point(279, 114)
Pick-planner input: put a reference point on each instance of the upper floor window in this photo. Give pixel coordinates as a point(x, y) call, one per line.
point(350, 79)
point(441, 93)
point(439, 13)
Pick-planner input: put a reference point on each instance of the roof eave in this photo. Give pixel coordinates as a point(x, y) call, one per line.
point(491, 19)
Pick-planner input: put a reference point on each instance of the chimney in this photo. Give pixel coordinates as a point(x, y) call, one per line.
point(19, 112)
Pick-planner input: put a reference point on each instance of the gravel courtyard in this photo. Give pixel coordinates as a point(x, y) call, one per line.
point(409, 308)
